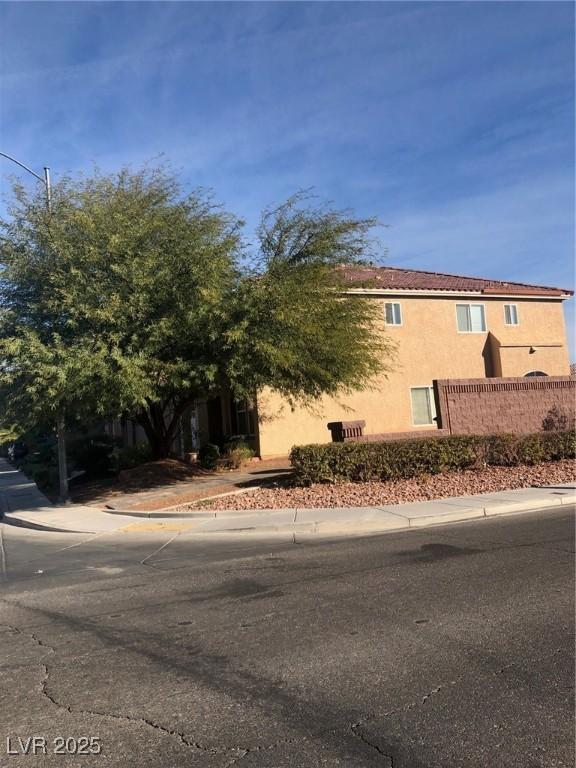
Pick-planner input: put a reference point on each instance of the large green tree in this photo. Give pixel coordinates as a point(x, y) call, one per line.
point(133, 297)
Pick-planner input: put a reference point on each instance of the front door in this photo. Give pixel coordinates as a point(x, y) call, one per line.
point(215, 425)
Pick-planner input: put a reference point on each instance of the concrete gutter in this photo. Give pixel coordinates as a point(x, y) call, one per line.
point(343, 521)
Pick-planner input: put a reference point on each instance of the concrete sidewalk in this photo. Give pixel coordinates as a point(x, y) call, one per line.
point(22, 504)
point(17, 492)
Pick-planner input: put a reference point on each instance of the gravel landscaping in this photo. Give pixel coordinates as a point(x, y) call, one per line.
point(397, 491)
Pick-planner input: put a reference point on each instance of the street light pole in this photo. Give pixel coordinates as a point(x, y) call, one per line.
point(48, 188)
point(61, 422)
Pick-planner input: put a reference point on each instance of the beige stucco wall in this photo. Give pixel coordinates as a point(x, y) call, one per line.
point(429, 347)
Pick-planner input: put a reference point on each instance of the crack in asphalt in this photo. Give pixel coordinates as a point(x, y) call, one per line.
point(261, 748)
point(427, 696)
point(434, 691)
point(235, 759)
point(244, 751)
point(240, 751)
point(126, 718)
point(355, 728)
point(32, 636)
point(515, 663)
point(419, 702)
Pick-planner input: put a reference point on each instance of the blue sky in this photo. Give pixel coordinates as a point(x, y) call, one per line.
point(453, 123)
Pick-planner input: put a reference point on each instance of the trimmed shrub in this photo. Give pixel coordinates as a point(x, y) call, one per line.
point(502, 450)
point(208, 456)
point(237, 453)
point(399, 459)
point(559, 445)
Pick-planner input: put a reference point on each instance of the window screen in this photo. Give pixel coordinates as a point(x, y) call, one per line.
point(470, 318)
point(463, 317)
point(393, 313)
point(423, 405)
point(510, 314)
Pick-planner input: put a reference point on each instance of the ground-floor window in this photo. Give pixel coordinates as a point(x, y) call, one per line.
point(243, 418)
point(423, 405)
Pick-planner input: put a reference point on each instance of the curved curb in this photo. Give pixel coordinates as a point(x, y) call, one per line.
point(168, 511)
point(19, 523)
point(160, 514)
point(334, 521)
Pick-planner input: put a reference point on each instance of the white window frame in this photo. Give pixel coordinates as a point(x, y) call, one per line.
point(515, 312)
point(431, 402)
point(399, 305)
point(471, 304)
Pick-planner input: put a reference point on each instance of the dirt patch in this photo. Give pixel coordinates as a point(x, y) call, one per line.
point(184, 497)
point(165, 483)
point(153, 474)
point(398, 491)
point(161, 472)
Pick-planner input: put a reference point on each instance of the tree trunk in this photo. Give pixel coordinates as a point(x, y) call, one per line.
point(161, 447)
point(161, 435)
point(158, 439)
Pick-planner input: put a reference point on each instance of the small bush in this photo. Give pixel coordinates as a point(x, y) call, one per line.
point(93, 454)
point(237, 453)
point(399, 459)
point(128, 458)
point(559, 445)
point(46, 477)
point(208, 456)
point(40, 462)
point(43, 473)
point(557, 420)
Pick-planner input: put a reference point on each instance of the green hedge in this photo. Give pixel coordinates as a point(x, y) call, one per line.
point(396, 459)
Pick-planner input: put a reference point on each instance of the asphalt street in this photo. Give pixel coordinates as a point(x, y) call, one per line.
point(449, 646)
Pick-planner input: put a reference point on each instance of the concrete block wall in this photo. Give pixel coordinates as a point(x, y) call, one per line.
point(385, 436)
point(518, 405)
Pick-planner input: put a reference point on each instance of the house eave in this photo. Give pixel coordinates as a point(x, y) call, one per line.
point(424, 293)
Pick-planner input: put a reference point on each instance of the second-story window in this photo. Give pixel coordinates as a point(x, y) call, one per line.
point(393, 313)
point(511, 314)
point(470, 318)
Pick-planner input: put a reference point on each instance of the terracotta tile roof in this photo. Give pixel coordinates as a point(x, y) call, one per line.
point(396, 278)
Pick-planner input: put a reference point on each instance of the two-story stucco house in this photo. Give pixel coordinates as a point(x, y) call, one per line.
point(445, 326)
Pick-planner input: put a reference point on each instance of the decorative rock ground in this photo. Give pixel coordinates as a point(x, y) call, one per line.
point(398, 491)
